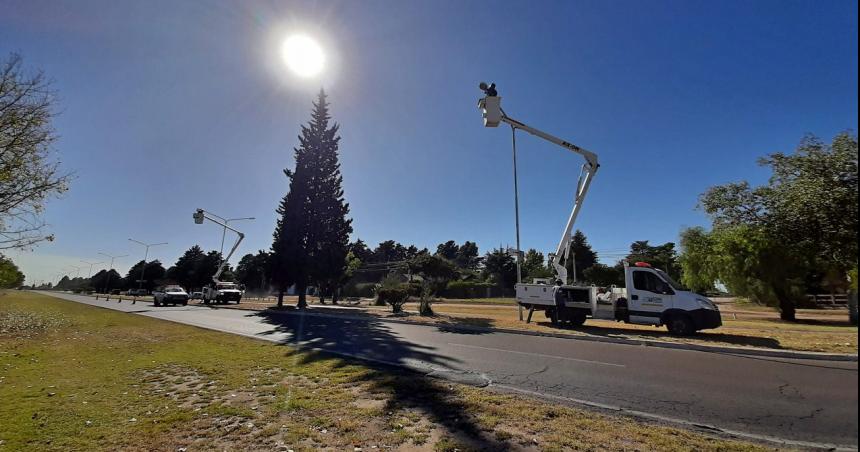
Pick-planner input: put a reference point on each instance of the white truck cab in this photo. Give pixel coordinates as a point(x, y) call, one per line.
point(222, 292)
point(650, 297)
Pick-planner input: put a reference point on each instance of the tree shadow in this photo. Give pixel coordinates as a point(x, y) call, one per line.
point(724, 338)
point(386, 353)
point(470, 325)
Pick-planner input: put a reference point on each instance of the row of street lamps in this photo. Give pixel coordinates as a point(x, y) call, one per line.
point(145, 254)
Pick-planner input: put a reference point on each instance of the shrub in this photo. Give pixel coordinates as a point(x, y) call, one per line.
point(394, 296)
point(465, 289)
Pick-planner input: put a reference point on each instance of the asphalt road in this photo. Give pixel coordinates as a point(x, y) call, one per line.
point(808, 402)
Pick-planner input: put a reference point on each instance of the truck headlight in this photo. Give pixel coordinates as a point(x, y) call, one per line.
point(706, 304)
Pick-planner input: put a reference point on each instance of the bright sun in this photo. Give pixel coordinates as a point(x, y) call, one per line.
point(303, 55)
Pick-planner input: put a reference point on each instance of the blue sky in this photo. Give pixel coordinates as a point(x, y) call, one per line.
point(167, 106)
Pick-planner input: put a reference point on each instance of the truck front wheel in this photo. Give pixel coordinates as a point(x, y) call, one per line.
point(680, 325)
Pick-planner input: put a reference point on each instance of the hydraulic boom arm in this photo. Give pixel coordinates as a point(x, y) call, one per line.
point(199, 216)
point(493, 114)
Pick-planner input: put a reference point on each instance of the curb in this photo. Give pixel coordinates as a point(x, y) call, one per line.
point(751, 351)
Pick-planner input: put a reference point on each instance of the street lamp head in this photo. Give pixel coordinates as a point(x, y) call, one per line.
point(489, 90)
point(198, 216)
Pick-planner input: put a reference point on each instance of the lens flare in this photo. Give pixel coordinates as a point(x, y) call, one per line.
point(303, 55)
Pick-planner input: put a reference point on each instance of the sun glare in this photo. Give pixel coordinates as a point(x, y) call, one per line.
point(303, 55)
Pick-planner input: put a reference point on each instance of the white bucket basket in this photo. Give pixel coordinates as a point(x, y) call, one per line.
point(491, 110)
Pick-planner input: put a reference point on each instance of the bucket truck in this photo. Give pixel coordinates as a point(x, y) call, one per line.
point(650, 296)
point(220, 291)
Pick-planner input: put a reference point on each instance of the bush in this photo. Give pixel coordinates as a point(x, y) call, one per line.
point(465, 289)
point(394, 296)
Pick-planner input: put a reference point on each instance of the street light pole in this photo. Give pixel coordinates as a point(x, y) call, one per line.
point(143, 268)
point(90, 275)
point(517, 215)
point(77, 271)
point(110, 267)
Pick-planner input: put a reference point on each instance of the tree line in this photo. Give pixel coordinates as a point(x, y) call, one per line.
point(794, 235)
point(193, 270)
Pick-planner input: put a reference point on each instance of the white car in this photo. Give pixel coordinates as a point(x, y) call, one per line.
point(170, 295)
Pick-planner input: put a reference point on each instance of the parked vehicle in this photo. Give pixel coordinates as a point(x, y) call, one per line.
point(196, 295)
point(169, 295)
point(650, 297)
point(222, 292)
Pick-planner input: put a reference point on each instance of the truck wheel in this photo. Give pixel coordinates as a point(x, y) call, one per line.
point(680, 325)
point(577, 319)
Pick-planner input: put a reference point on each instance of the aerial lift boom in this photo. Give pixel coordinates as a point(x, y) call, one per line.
point(199, 216)
point(490, 106)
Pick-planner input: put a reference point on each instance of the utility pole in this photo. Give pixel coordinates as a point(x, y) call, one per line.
point(77, 271)
point(110, 267)
point(143, 268)
point(90, 275)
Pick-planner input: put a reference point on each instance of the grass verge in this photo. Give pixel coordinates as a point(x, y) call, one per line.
point(75, 377)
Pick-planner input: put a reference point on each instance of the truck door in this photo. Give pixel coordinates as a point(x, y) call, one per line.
point(649, 297)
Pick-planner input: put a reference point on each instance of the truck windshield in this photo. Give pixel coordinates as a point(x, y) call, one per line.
point(675, 285)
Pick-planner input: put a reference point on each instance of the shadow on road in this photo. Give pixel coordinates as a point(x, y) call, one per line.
point(662, 335)
point(370, 338)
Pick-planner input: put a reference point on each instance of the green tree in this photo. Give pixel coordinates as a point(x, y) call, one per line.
point(328, 238)
point(187, 271)
point(389, 251)
point(580, 253)
point(252, 272)
point(696, 260)
point(752, 264)
point(662, 256)
point(448, 250)
point(10, 275)
point(29, 173)
point(534, 266)
point(435, 272)
point(360, 250)
point(805, 215)
point(467, 256)
point(310, 241)
point(501, 267)
point(63, 283)
point(153, 271)
point(105, 280)
point(604, 276)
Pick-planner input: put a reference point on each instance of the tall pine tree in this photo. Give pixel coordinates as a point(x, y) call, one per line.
point(311, 239)
point(330, 228)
